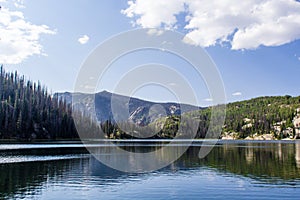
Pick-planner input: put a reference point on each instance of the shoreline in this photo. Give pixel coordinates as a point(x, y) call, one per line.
point(216, 141)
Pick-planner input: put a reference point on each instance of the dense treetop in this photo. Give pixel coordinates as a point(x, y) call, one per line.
point(28, 111)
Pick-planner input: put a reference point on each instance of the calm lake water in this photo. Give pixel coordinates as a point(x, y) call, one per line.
point(232, 170)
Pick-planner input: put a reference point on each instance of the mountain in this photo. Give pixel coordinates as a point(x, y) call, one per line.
point(261, 118)
point(29, 112)
point(141, 112)
point(272, 117)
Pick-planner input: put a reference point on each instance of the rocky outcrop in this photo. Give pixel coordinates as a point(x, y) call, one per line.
point(141, 112)
point(230, 136)
point(296, 123)
point(261, 137)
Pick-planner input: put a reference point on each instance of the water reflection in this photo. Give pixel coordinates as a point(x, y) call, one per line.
point(21, 178)
point(266, 163)
point(297, 154)
point(139, 157)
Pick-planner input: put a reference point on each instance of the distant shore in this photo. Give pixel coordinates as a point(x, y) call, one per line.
point(78, 141)
point(40, 141)
point(255, 136)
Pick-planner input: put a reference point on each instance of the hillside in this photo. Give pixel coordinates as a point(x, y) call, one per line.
point(29, 112)
point(141, 112)
point(260, 118)
point(278, 116)
point(263, 118)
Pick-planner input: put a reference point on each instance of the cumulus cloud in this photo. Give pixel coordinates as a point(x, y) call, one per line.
point(84, 39)
point(243, 24)
point(154, 13)
point(237, 94)
point(19, 39)
point(19, 3)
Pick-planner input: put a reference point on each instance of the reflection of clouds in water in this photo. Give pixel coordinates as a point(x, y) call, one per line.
point(249, 155)
point(241, 185)
point(297, 154)
point(33, 158)
point(211, 176)
point(279, 151)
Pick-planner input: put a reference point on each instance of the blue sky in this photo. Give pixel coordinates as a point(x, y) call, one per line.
point(257, 54)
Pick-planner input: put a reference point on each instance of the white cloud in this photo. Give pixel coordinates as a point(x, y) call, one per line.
point(154, 13)
point(244, 24)
point(84, 39)
point(16, 3)
point(299, 58)
point(19, 4)
point(19, 39)
point(155, 32)
point(237, 94)
point(208, 99)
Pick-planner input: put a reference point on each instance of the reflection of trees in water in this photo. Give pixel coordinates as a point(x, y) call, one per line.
point(297, 154)
point(139, 157)
point(28, 177)
point(259, 160)
point(265, 162)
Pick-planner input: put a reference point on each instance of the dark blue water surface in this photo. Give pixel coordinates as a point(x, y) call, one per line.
point(232, 170)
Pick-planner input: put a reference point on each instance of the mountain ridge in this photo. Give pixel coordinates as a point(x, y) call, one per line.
point(141, 112)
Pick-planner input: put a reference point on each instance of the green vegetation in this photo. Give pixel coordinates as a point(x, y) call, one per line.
point(263, 115)
point(250, 118)
point(28, 112)
point(255, 117)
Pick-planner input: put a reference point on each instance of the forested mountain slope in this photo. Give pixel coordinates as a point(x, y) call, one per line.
point(277, 117)
point(28, 112)
point(264, 115)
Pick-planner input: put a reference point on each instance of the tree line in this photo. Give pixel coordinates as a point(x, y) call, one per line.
point(28, 111)
point(262, 115)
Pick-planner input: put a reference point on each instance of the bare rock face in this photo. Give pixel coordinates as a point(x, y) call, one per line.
point(139, 116)
point(296, 123)
point(141, 112)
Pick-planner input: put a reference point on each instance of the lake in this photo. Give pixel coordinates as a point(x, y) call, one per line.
point(232, 170)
